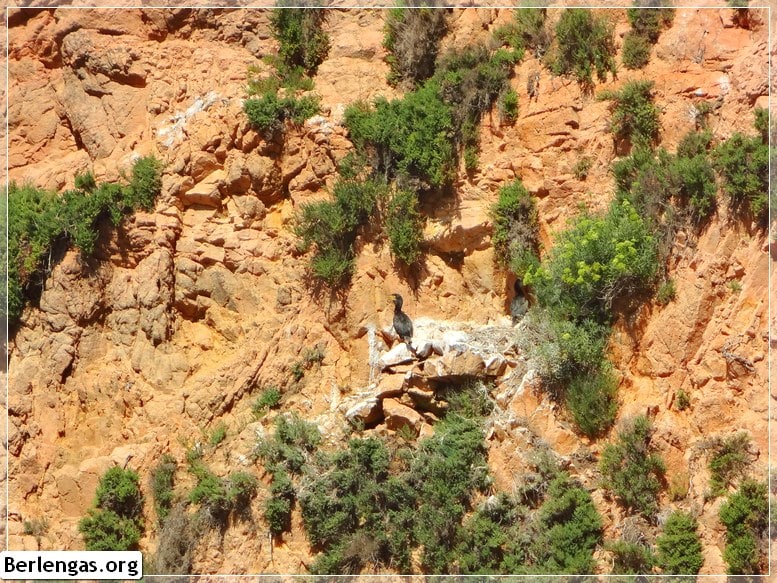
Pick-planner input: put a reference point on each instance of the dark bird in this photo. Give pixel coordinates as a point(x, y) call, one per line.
point(402, 323)
point(520, 305)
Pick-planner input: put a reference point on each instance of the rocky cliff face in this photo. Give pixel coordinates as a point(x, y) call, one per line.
point(189, 310)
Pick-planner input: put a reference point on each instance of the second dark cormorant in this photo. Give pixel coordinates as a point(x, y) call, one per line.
point(402, 323)
point(520, 305)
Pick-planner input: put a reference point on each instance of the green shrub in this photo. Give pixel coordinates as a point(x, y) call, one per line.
point(162, 486)
point(115, 523)
point(332, 226)
point(636, 50)
point(530, 24)
point(631, 471)
point(277, 508)
point(508, 106)
point(679, 547)
point(218, 434)
point(746, 517)
point(694, 144)
point(585, 45)
point(696, 181)
point(219, 497)
point(570, 529)
point(597, 261)
point(560, 349)
point(582, 167)
point(591, 399)
point(682, 400)
point(404, 225)
point(300, 35)
point(268, 112)
point(630, 558)
point(269, 399)
point(667, 292)
point(38, 219)
point(412, 39)
point(516, 228)
point(761, 123)
point(743, 163)
point(728, 462)
point(634, 115)
point(105, 530)
point(646, 19)
point(292, 441)
point(410, 136)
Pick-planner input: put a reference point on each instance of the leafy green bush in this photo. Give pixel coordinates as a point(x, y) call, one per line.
point(636, 50)
point(409, 136)
point(634, 115)
point(631, 471)
point(582, 167)
point(277, 508)
point(332, 226)
point(516, 228)
point(268, 112)
point(746, 517)
point(37, 220)
point(679, 547)
point(412, 39)
point(591, 399)
point(682, 400)
point(585, 44)
point(162, 486)
point(743, 163)
point(667, 292)
point(115, 523)
point(597, 261)
point(300, 35)
point(508, 105)
point(630, 558)
point(560, 349)
point(728, 462)
point(104, 530)
point(218, 434)
point(219, 497)
point(531, 28)
point(292, 441)
point(269, 399)
point(570, 529)
point(648, 18)
point(697, 188)
point(404, 225)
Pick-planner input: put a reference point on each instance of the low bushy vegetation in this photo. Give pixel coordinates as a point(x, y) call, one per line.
point(584, 46)
point(218, 497)
point(636, 51)
point(631, 471)
point(728, 462)
point(115, 522)
point(516, 228)
point(412, 39)
point(746, 517)
point(634, 115)
point(332, 225)
point(302, 42)
point(526, 31)
point(269, 112)
point(646, 21)
point(591, 399)
point(162, 478)
point(631, 558)
point(404, 226)
point(743, 163)
point(599, 260)
point(270, 398)
point(679, 546)
point(40, 221)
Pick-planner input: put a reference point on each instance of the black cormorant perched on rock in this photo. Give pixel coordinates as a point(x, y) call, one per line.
point(402, 323)
point(520, 304)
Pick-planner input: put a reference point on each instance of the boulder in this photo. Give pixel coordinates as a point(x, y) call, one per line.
point(398, 415)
